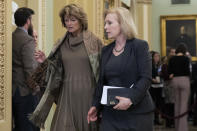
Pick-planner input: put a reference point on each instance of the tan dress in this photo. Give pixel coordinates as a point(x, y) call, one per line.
point(76, 94)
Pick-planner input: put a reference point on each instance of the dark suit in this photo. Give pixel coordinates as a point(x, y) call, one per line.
point(23, 64)
point(136, 69)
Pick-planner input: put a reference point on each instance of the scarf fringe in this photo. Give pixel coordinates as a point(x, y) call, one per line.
point(38, 117)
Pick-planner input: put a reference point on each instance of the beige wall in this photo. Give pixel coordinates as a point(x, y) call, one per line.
point(21, 3)
point(59, 31)
point(143, 21)
point(49, 26)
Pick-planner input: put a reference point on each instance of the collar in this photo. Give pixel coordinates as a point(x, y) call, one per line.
point(22, 28)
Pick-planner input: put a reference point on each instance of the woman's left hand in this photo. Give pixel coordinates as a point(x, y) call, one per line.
point(124, 103)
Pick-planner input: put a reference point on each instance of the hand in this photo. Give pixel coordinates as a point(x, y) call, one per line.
point(92, 114)
point(36, 90)
point(171, 76)
point(154, 80)
point(124, 103)
point(39, 56)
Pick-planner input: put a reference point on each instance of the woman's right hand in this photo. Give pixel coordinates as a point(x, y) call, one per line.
point(171, 76)
point(92, 114)
point(39, 56)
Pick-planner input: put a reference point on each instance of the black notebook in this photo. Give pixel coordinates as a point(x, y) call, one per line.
point(113, 92)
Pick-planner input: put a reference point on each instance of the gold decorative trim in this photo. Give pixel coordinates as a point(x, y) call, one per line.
point(99, 23)
point(43, 25)
point(144, 1)
point(117, 3)
point(2, 57)
point(133, 9)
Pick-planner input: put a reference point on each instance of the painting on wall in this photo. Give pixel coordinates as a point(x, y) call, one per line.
point(180, 1)
point(179, 29)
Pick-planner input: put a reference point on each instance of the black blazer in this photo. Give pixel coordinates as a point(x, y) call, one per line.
point(137, 69)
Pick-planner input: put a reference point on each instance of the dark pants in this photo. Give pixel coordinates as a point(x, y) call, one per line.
point(156, 94)
point(117, 120)
point(193, 101)
point(22, 106)
point(169, 110)
point(195, 114)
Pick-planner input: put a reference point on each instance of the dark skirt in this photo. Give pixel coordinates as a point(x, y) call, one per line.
point(115, 120)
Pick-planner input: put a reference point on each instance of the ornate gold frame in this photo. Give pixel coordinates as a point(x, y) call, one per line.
point(5, 65)
point(163, 20)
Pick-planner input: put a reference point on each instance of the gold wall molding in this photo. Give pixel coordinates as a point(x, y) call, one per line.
point(117, 3)
point(39, 20)
point(143, 21)
point(144, 1)
point(43, 26)
point(133, 9)
point(5, 65)
point(2, 57)
point(98, 18)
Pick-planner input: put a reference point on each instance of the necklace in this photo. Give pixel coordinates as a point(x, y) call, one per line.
point(119, 50)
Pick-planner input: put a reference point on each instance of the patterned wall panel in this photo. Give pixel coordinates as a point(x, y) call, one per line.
point(2, 59)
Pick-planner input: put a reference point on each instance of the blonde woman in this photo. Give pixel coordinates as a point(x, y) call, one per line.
point(124, 62)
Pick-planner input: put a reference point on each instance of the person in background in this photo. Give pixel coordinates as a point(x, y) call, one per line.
point(168, 93)
point(35, 36)
point(179, 71)
point(168, 90)
point(190, 59)
point(23, 64)
point(39, 55)
point(126, 62)
point(171, 53)
point(72, 75)
point(193, 96)
point(156, 86)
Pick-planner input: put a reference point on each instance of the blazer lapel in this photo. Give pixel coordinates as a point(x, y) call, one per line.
point(128, 49)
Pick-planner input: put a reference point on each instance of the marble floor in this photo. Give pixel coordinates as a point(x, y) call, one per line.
point(163, 128)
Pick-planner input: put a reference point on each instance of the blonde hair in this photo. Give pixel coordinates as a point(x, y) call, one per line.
point(76, 11)
point(125, 20)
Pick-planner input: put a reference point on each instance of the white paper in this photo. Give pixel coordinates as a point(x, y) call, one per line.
point(104, 95)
